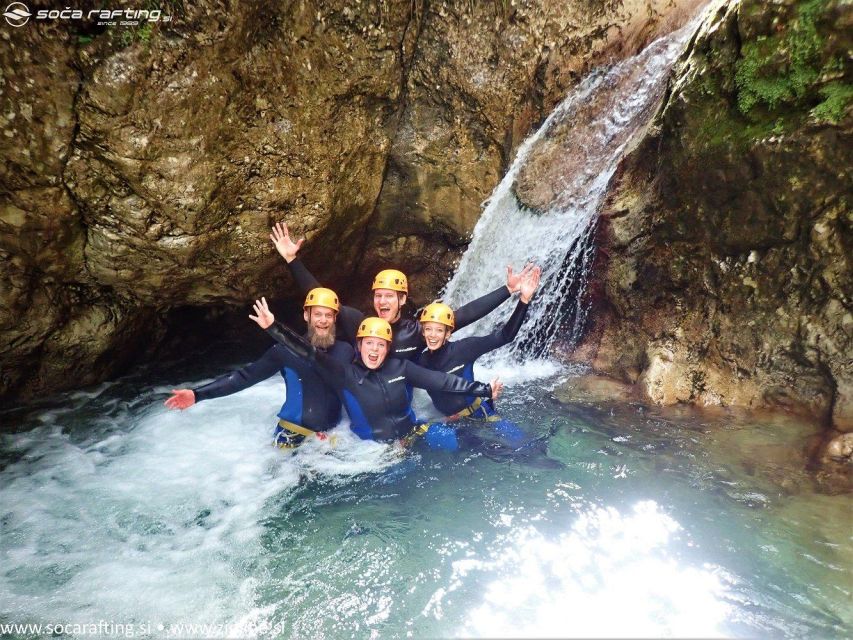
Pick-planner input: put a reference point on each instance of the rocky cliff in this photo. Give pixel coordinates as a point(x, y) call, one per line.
point(144, 164)
point(723, 273)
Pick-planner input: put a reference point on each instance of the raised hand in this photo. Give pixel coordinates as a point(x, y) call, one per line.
point(513, 280)
point(264, 316)
point(497, 388)
point(529, 284)
point(286, 247)
point(180, 399)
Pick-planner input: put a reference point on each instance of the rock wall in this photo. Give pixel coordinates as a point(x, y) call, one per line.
point(143, 165)
point(723, 273)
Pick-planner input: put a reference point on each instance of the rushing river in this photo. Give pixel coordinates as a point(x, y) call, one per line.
point(613, 520)
point(616, 520)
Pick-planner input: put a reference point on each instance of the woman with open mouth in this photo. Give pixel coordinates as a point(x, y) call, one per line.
point(437, 322)
point(375, 389)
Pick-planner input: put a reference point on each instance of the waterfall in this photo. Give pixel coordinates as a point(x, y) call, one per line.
point(593, 127)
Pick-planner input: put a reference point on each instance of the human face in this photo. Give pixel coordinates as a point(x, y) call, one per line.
point(321, 326)
point(387, 303)
point(373, 351)
point(435, 335)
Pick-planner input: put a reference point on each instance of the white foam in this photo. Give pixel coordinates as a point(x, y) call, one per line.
point(159, 516)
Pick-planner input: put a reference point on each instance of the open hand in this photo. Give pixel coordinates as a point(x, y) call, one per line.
point(264, 316)
point(513, 280)
point(529, 284)
point(180, 399)
point(286, 247)
point(497, 388)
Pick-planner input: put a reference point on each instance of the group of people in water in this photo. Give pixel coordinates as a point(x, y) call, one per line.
point(369, 364)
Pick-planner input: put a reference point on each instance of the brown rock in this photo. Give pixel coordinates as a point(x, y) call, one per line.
point(144, 166)
point(723, 274)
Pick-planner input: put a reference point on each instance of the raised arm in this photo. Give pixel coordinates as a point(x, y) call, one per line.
point(288, 249)
point(472, 348)
point(469, 349)
point(348, 317)
point(422, 378)
point(328, 367)
point(481, 307)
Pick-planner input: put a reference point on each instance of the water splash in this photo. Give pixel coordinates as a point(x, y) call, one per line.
point(109, 503)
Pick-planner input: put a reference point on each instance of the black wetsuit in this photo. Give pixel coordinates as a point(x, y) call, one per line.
point(378, 400)
point(310, 402)
point(408, 340)
point(458, 358)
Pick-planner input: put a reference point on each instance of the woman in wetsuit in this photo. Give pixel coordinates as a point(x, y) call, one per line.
point(375, 389)
point(437, 320)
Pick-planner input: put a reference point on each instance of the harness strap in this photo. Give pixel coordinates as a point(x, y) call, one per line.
point(473, 408)
point(415, 433)
point(292, 435)
point(467, 411)
point(295, 428)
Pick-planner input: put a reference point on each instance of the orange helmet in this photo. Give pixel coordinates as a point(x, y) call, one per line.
point(322, 297)
point(374, 327)
point(391, 279)
point(438, 312)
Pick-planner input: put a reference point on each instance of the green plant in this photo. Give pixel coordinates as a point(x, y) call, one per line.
point(782, 69)
point(837, 97)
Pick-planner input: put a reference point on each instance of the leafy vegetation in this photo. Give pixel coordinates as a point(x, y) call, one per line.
point(788, 70)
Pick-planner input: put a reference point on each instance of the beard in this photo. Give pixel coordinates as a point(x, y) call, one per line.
point(324, 341)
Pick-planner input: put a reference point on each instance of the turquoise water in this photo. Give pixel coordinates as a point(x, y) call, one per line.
point(620, 520)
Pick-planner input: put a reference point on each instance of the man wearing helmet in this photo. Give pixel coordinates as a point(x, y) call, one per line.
point(375, 388)
point(390, 292)
point(311, 406)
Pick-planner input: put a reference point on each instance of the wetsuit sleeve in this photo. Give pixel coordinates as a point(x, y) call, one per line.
point(469, 349)
point(292, 341)
point(304, 279)
point(272, 361)
point(430, 380)
point(348, 319)
point(479, 308)
point(329, 369)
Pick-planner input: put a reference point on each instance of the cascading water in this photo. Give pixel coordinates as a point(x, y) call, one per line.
point(605, 113)
point(128, 520)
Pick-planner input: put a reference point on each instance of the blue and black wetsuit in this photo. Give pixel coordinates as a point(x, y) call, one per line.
point(311, 405)
point(458, 357)
point(408, 340)
point(378, 400)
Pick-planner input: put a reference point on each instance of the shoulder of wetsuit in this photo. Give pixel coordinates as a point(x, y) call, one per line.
point(407, 327)
point(393, 367)
point(341, 351)
point(409, 320)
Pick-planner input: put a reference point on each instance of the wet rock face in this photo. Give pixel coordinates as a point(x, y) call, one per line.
point(144, 165)
point(484, 74)
point(723, 275)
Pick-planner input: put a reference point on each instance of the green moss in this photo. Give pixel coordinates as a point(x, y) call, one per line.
point(837, 97)
point(781, 71)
